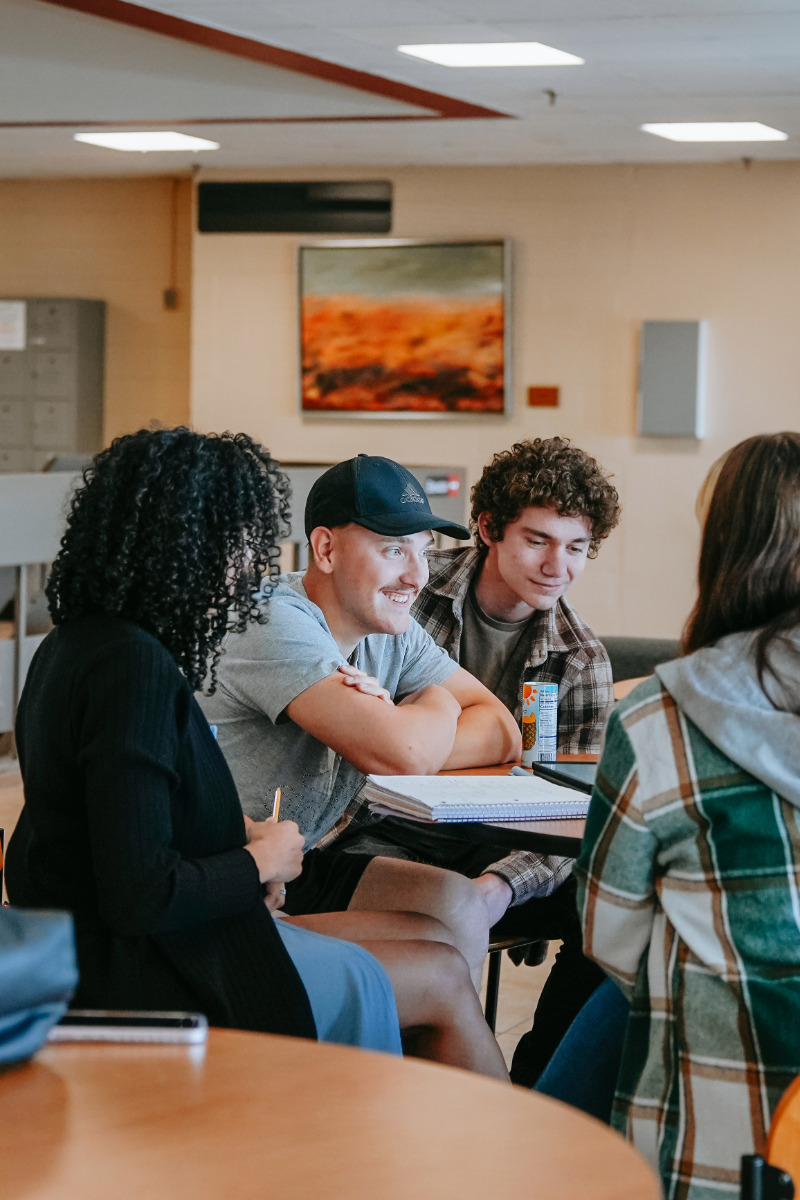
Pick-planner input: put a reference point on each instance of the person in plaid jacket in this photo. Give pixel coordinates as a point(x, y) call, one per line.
point(688, 877)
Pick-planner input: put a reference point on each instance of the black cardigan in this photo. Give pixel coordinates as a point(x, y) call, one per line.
point(132, 823)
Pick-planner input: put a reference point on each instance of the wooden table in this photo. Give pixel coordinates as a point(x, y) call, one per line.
point(547, 837)
point(623, 686)
point(262, 1117)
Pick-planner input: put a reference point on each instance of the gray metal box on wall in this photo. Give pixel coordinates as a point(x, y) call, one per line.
point(672, 379)
point(51, 380)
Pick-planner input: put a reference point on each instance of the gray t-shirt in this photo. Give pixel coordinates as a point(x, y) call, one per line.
point(494, 651)
point(265, 668)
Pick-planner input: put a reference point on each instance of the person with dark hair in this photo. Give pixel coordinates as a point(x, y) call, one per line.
point(688, 876)
point(539, 511)
point(131, 818)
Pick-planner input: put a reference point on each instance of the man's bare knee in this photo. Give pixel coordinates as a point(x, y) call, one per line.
point(461, 905)
point(446, 969)
point(390, 884)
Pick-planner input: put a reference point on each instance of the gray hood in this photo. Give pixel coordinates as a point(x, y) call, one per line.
point(718, 689)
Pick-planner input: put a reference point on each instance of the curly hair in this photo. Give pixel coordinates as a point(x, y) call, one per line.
point(544, 473)
point(174, 530)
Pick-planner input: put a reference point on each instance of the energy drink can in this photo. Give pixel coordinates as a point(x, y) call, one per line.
point(539, 722)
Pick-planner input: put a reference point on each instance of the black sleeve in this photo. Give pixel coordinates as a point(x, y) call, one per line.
point(132, 716)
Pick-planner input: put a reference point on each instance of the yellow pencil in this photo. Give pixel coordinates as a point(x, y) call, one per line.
point(276, 805)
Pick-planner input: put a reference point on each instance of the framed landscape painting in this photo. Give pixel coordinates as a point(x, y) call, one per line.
point(404, 329)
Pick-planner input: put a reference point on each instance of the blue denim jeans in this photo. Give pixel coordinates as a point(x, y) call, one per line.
point(583, 1071)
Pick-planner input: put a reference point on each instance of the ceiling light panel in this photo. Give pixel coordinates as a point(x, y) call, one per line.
point(493, 54)
point(144, 142)
point(716, 131)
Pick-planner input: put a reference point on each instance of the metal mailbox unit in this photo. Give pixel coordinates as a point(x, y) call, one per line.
point(51, 380)
point(33, 511)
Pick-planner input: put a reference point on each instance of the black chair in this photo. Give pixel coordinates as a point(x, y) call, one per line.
point(532, 951)
point(761, 1181)
point(632, 657)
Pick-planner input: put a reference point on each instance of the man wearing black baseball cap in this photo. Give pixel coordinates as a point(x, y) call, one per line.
point(341, 681)
point(377, 494)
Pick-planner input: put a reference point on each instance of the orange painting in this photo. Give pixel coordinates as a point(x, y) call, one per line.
point(403, 349)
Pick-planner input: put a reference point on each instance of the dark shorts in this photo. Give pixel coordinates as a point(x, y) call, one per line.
point(327, 883)
point(331, 876)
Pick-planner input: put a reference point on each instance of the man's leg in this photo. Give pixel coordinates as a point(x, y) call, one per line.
point(439, 1011)
point(396, 885)
point(437, 1007)
point(552, 918)
point(355, 880)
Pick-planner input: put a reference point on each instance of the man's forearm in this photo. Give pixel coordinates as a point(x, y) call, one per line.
point(423, 730)
point(486, 734)
point(411, 738)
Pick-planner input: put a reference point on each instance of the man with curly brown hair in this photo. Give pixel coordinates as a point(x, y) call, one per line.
point(539, 511)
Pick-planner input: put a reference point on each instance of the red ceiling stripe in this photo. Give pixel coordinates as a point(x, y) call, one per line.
point(179, 122)
point(243, 47)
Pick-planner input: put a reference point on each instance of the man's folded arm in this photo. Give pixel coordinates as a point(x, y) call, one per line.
point(487, 732)
point(414, 737)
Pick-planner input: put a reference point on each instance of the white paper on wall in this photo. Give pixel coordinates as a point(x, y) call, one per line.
point(12, 324)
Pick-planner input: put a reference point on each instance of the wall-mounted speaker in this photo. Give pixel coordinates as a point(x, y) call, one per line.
point(672, 379)
point(348, 207)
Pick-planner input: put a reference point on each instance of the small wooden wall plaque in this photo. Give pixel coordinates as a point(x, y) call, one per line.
point(543, 397)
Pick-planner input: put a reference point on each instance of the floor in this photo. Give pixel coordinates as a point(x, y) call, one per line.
point(519, 994)
point(519, 986)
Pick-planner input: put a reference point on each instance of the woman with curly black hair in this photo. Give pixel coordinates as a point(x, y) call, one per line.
point(131, 818)
point(173, 531)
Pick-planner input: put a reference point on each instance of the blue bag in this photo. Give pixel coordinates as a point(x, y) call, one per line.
point(38, 974)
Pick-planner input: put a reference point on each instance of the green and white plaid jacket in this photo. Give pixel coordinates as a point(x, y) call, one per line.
point(689, 889)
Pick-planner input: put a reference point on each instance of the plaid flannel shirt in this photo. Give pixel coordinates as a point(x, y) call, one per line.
point(688, 892)
point(563, 650)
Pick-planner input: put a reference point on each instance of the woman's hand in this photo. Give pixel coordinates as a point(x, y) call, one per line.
point(276, 847)
point(275, 896)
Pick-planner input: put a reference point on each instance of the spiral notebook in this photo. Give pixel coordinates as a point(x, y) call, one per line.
point(472, 798)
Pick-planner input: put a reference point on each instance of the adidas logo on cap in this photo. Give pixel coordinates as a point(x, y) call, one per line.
point(410, 495)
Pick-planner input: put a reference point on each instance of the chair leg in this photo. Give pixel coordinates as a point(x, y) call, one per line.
point(492, 987)
point(761, 1181)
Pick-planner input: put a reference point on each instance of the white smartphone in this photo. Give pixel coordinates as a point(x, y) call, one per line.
point(108, 1025)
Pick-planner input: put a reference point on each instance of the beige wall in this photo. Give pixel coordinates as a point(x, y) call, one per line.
point(110, 240)
point(597, 250)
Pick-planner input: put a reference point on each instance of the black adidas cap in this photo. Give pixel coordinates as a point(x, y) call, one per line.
point(377, 493)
